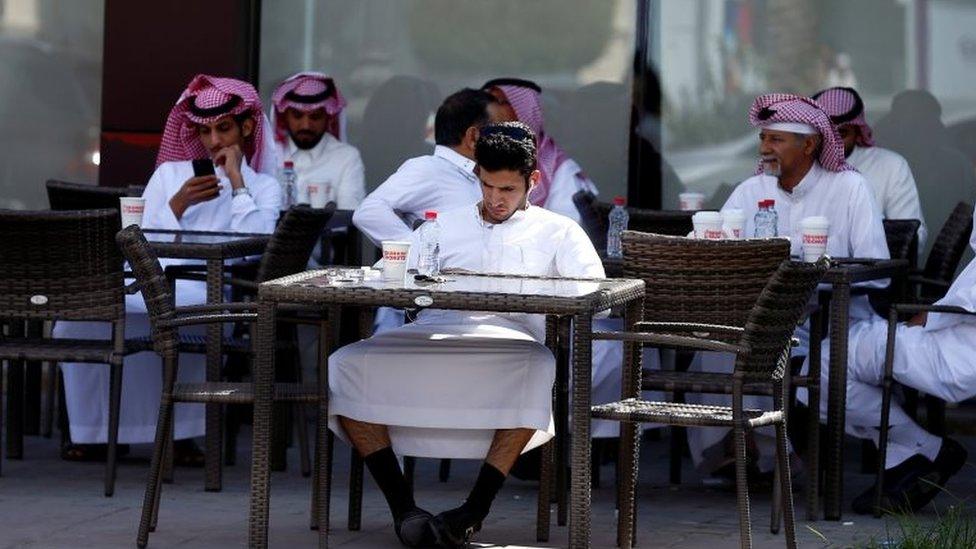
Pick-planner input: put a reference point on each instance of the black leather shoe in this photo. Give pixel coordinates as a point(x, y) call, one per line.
point(952, 456)
point(908, 487)
point(454, 528)
point(413, 528)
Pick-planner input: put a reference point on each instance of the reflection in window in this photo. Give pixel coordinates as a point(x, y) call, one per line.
point(396, 61)
point(50, 95)
point(716, 57)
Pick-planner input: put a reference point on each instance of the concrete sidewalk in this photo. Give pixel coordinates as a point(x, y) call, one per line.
point(45, 502)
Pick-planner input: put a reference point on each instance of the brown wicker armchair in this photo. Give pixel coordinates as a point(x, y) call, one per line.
point(65, 266)
point(165, 319)
point(943, 260)
point(64, 195)
point(897, 311)
point(762, 349)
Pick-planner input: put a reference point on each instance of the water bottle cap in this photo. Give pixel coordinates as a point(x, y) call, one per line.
point(289, 164)
point(770, 202)
point(619, 200)
point(430, 214)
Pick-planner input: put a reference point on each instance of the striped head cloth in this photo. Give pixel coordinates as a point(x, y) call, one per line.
point(306, 92)
point(788, 111)
point(845, 108)
point(524, 97)
point(205, 100)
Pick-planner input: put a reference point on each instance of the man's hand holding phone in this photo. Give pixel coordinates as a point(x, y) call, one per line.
point(203, 186)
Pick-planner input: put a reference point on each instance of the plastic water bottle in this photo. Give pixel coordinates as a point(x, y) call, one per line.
point(617, 225)
point(766, 220)
point(428, 260)
point(289, 185)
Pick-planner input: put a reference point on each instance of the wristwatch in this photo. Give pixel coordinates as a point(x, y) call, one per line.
point(241, 190)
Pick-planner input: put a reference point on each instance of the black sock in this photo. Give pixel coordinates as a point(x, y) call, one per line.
point(385, 468)
point(489, 482)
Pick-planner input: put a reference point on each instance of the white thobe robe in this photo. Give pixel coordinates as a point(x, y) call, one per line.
point(845, 199)
point(332, 162)
point(446, 382)
point(890, 179)
point(567, 181)
point(938, 359)
point(87, 385)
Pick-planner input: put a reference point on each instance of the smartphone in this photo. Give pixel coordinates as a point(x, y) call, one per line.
point(203, 166)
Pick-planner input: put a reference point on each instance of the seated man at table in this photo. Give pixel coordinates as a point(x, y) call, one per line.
point(934, 353)
point(408, 391)
point(218, 119)
point(309, 127)
point(887, 173)
point(802, 168)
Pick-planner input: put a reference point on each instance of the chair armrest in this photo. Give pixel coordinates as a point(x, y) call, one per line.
point(665, 340)
point(232, 307)
point(213, 318)
point(923, 281)
point(241, 283)
point(919, 308)
point(689, 327)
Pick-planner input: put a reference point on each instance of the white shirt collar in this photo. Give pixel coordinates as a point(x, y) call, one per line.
point(515, 218)
point(464, 163)
point(806, 185)
point(315, 152)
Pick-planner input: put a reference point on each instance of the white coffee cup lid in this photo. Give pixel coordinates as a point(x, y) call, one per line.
point(706, 217)
point(733, 213)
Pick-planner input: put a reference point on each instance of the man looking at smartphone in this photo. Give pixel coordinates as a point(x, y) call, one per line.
point(215, 121)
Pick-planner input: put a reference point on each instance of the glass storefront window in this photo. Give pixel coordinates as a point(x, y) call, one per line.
point(50, 96)
point(395, 61)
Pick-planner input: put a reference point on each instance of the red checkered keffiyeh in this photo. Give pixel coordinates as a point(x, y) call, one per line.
point(845, 108)
point(209, 98)
point(787, 107)
point(528, 107)
point(308, 91)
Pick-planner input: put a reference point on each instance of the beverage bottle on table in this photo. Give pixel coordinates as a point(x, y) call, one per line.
point(766, 220)
point(428, 258)
point(289, 185)
point(617, 225)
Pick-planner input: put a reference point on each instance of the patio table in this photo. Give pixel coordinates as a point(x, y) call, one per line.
point(576, 298)
point(214, 248)
point(842, 275)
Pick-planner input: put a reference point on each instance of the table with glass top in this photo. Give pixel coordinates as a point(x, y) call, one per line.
point(578, 299)
point(214, 248)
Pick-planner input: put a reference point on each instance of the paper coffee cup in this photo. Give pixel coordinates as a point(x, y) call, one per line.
point(813, 237)
point(395, 259)
point(318, 194)
point(132, 208)
point(691, 201)
point(733, 223)
point(708, 225)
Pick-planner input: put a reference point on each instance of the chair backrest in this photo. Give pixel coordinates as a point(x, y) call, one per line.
point(667, 222)
point(707, 281)
point(61, 265)
point(902, 236)
point(771, 323)
point(594, 223)
point(156, 289)
point(950, 244)
point(293, 241)
point(63, 195)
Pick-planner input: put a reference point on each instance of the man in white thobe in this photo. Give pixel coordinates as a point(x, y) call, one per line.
point(561, 178)
point(409, 390)
point(438, 181)
point(887, 172)
point(309, 128)
point(802, 169)
point(215, 118)
point(934, 353)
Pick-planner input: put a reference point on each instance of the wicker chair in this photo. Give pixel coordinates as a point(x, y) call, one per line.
point(593, 218)
point(888, 380)
point(902, 237)
point(63, 195)
point(165, 319)
point(762, 349)
point(943, 260)
point(287, 253)
point(65, 266)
